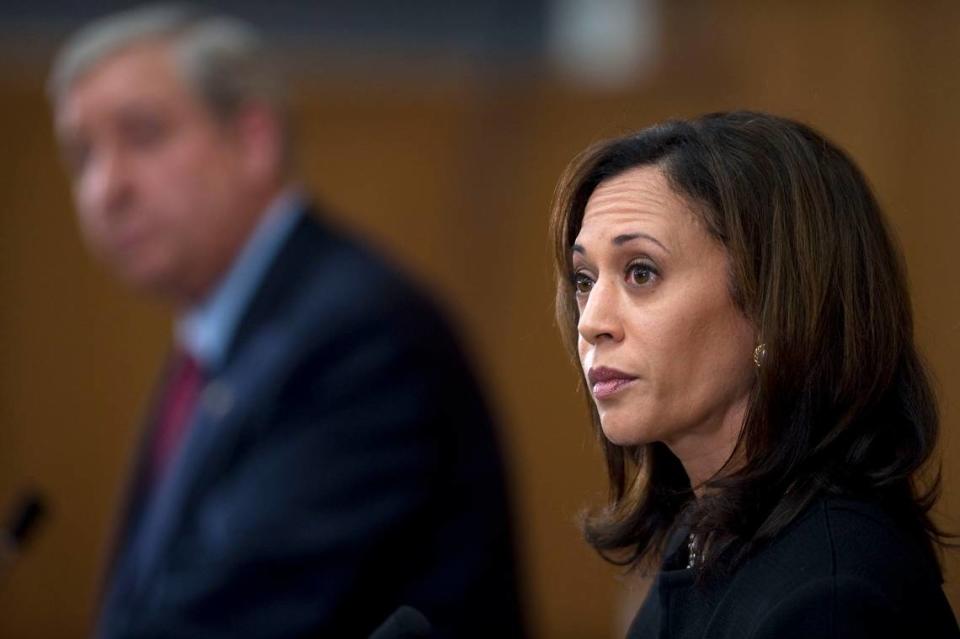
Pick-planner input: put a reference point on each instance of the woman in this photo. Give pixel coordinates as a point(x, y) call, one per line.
point(741, 316)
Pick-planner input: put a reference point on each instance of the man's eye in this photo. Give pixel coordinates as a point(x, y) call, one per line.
point(582, 283)
point(642, 273)
point(145, 133)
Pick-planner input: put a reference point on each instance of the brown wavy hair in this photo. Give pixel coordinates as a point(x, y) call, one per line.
point(842, 403)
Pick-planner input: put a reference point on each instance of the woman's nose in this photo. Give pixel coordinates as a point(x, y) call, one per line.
point(600, 315)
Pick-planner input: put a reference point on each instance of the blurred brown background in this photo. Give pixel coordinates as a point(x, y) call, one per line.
point(449, 163)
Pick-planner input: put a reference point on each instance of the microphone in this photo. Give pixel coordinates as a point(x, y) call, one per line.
point(21, 525)
point(404, 623)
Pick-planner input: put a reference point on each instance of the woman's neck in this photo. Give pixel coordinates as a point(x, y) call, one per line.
point(709, 450)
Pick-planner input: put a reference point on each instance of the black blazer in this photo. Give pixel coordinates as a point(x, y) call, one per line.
point(340, 464)
point(843, 570)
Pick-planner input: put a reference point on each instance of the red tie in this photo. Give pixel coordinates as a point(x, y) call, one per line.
point(175, 410)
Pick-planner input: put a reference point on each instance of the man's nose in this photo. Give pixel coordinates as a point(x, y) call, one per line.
point(108, 184)
point(600, 317)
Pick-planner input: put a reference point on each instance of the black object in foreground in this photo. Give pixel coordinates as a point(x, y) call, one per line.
point(404, 623)
point(22, 522)
point(20, 527)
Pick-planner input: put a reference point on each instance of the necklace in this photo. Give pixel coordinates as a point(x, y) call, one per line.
point(693, 552)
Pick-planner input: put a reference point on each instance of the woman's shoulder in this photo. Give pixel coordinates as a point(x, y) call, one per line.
point(853, 537)
point(843, 563)
point(849, 538)
point(843, 568)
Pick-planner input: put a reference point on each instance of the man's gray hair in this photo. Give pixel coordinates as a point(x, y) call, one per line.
point(222, 59)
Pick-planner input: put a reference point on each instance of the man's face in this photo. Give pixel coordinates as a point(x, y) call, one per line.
point(158, 183)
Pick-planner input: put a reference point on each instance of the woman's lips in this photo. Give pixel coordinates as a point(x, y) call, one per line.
point(603, 390)
point(606, 382)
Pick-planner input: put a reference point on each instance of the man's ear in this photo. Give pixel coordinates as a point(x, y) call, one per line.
point(260, 139)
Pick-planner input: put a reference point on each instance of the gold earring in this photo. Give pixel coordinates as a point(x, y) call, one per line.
point(759, 353)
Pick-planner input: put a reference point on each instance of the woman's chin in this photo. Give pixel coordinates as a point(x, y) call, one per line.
point(623, 434)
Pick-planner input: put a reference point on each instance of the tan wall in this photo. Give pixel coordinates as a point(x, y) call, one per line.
point(453, 174)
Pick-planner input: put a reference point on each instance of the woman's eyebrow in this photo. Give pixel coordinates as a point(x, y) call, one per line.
point(620, 240)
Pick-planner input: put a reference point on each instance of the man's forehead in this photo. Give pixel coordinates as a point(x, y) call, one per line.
point(138, 66)
point(140, 74)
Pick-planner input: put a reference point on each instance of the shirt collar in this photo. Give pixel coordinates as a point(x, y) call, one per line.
point(206, 330)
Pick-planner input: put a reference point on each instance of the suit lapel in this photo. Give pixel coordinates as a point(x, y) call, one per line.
point(164, 510)
point(136, 492)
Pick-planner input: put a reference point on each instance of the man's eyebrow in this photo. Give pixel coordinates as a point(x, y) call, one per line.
point(620, 240)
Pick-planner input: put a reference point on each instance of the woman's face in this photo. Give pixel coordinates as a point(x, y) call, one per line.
point(667, 355)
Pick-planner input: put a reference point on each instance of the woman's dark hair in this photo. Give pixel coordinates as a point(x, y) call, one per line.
point(842, 403)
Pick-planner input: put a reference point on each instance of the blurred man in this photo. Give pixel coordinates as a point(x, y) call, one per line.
point(318, 453)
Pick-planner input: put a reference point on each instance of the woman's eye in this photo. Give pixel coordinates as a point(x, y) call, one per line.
point(641, 273)
point(582, 283)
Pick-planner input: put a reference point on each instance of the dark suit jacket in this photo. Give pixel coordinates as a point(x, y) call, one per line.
point(340, 464)
point(843, 570)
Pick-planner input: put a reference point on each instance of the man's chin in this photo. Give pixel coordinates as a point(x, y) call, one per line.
point(150, 281)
